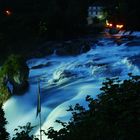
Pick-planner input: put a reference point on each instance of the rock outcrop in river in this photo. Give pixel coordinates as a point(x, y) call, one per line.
point(13, 76)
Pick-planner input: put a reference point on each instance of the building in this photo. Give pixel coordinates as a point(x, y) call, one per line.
point(95, 11)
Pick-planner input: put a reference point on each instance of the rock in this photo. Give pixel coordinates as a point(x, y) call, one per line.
point(66, 74)
point(136, 60)
point(113, 31)
point(20, 81)
point(100, 44)
point(85, 48)
point(63, 48)
point(46, 51)
point(15, 71)
point(133, 43)
point(73, 48)
point(9, 87)
point(41, 66)
point(127, 37)
point(124, 38)
point(102, 64)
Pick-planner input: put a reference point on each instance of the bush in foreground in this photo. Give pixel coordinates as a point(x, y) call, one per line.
point(4, 135)
point(114, 115)
point(23, 133)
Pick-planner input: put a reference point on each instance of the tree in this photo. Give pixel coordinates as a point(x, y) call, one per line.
point(113, 115)
point(4, 135)
point(23, 133)
point(12, 65)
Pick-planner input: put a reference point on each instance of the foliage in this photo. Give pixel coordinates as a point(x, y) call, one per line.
point(113, 115)
point(4, 135)
point(4, 94)
point(12, 65)
point(23, 133)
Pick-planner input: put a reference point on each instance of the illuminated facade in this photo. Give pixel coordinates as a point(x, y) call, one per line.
point(95, 11)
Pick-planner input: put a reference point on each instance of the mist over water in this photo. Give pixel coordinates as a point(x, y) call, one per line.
point(68, 80)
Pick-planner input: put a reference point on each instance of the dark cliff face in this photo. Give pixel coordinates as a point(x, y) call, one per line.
point(15, 71)
point(20, 81)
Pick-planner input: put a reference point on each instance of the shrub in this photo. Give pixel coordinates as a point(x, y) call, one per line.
point(4, 135)
point(114, 115)
point(12, 65)
point(23, 133)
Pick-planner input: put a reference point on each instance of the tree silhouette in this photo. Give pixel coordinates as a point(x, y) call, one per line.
point(4, 135)
point(23, 133)
point(113, 115)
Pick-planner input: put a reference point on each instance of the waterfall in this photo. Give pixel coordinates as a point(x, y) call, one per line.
point(68, 80)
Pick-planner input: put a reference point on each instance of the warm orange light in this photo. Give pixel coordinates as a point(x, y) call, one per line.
point(119, 26)
point(110, 25)
point(8, 12)
point(107, 24)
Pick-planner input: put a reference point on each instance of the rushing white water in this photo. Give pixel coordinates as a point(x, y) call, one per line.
point(68, 80)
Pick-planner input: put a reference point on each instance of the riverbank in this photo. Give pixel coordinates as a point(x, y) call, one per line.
point(40, 47)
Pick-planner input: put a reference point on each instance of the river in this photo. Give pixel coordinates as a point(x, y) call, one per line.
point(68, 80)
